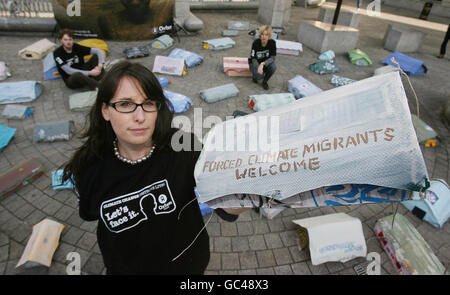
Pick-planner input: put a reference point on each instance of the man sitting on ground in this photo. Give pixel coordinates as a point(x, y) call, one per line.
point(69, 58)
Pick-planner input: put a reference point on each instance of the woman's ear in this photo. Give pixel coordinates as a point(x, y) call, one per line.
point(105, 111)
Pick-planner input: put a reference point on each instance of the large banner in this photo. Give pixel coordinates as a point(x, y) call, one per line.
point(360, 133)
point(116, 19)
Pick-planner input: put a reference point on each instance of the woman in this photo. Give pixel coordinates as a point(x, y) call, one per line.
point(138, 188)
point(262, 56)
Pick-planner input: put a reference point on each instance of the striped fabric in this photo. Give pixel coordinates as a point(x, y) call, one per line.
point(236, 66)
point(288, 47)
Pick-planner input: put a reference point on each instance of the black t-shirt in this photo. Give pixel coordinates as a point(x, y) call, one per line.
point(74, 59)
point(261, 53)
point(137, 208)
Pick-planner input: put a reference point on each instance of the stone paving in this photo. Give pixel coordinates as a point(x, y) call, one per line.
point(253, 244)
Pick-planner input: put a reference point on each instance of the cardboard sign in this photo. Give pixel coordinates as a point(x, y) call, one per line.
point(168, 65)
point(334, 237)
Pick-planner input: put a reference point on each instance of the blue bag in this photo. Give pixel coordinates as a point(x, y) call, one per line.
point(180, 102)
point(6, 134)
point(191, 59)
point(409, 65)
point(163, 81)
point(435, 207)
point(57, 181)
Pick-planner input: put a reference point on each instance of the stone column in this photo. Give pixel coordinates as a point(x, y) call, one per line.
point(347, 18)
point(274, 12)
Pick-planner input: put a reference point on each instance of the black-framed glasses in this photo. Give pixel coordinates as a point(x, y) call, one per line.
point(129, 106)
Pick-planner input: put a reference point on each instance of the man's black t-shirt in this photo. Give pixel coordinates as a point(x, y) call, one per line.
point(74, 59)
point(261, 53)
point(137, 208)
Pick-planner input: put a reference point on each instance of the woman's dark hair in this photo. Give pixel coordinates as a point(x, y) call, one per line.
point(99, 133)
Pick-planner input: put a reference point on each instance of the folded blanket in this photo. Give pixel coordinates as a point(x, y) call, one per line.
point(288, 47)
point(434, 207)
point(6, 134)
point(237, 25)
point(22, 91)
point(263, 102)
point(341, 81)
point(95, 43)
point(324, 67)
point(83, 101)
point(38, 49)
point(219, 43)
point(191, 59)
point(57, 181)
point(359, 58)
point(49, 67)
point(180, 102)
point(13, 111)
point(409, 65)
point(301, 87)
point(136, 52)
point(238, 64)
point(53, 131)
point(230, 33)
point(163, 42)
point(327, 55)
point(219, 93)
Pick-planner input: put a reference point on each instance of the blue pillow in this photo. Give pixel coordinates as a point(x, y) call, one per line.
point(180, 102)
point(301, 87)
point(191, 59)
point(219, 93)
point(409, 65)
point(22, 91)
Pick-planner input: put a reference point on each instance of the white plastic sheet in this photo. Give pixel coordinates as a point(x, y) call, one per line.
point(360, 133)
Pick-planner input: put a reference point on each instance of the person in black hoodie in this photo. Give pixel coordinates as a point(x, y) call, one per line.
point(262, 56)
point(129, 177)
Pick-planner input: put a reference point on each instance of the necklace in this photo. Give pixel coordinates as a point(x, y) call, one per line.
point(132, 162)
